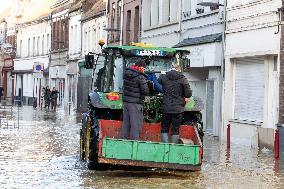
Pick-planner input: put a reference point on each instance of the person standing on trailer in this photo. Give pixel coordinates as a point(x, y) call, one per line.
point(175, 90)
point(135, 89)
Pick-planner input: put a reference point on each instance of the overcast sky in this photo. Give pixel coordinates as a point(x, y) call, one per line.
point(4, 4)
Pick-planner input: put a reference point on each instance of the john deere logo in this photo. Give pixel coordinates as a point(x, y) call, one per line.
point(150, 53)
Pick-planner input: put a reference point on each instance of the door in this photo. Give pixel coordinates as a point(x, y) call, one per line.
point(10, 79)
point(83, 92)
point(60, 88)
point(209, 106)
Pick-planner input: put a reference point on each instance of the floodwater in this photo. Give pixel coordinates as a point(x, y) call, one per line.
point(44, 153)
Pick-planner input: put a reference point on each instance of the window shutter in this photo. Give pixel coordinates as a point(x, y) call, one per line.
point(249, 89)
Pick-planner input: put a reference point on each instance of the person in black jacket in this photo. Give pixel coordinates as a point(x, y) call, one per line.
point(176, 89)
point(135, 89)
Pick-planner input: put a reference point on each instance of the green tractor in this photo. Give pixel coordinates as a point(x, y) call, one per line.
point(100, 143)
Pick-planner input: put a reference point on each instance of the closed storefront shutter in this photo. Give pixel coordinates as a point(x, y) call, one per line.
point(249, 89)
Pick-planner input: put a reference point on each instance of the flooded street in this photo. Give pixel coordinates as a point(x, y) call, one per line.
point(44, 153)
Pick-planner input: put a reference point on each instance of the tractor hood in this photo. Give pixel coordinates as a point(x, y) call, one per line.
point(106, 100)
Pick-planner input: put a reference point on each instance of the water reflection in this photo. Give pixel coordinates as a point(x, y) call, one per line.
point(43, 153)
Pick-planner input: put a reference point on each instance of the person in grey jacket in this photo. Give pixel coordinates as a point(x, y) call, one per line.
point(135, 89)
point(175, 90)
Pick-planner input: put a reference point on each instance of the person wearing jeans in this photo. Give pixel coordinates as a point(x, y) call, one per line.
point(135, 89)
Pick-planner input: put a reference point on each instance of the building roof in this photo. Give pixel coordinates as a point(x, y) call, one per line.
point(200, 40)
point(97, 9)
point(76, 5)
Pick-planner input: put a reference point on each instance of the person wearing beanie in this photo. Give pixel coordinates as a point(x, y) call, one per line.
point(175, 89)
point(135, 89)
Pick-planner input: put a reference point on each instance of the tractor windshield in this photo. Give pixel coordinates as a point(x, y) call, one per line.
point(154, 65)
point(108, 72)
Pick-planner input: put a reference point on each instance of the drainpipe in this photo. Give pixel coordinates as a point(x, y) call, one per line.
point(51, 45)
point(121, 22)
point(180, 19)
point(223, 69)
point(223, 39)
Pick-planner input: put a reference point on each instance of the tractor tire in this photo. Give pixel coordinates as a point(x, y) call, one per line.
point(82, 146)
point(83, 138)
point(93, 152)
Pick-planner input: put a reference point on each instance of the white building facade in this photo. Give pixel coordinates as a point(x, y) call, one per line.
point(93, 25)
point(251, 89)
point(33, 45)
point(92, 32)
point(74, 55)
point(198, 28)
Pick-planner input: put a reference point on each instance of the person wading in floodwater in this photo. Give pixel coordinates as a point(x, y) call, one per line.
point(54, 95)
point(47, 99)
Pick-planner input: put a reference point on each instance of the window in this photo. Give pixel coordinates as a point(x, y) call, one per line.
point(169, 10)
point(128, 27)
point(154, 13)
point(85, 42)
point(90, 40)
point(136, 24)
point(94, 39)
point(42, 45)
point(62, 36)
point(33, 49)
point(186, 9)
point(108, 74)
point(113, 20)
point(118, 14)
point(113, 14)
point(29, 47)
point(76, 40)
point(37, 45)
point(71, 40)
point(47, 43)
point(20, 48)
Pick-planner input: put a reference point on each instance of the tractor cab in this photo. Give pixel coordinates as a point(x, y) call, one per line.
point(101, 126)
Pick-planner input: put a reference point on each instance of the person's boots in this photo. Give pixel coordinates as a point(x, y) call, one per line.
point(165, 137)
point(175, 139)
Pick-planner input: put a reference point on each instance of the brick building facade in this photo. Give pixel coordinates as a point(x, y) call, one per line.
point(124, 18)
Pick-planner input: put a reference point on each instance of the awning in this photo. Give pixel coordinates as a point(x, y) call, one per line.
point(200, 40)
point(22, 71)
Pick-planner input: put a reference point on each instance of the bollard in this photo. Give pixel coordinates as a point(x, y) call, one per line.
point(276, 144)
point(228, 136)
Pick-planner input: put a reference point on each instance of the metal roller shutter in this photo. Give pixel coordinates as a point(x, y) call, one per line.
point(249, 89)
